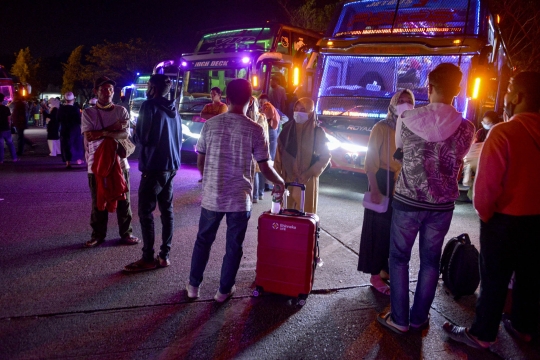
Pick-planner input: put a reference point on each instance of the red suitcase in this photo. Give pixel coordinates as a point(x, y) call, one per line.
point(286, 252)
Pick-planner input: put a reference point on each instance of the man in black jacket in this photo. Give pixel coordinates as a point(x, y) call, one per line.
point(159, 133)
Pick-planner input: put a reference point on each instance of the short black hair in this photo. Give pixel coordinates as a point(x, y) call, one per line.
point(493, 116)
point(162, 83)
point(2, 97)
point(528, 83)
point(239, 91)
point(445, 78)
point(264, 97)
point(216, 89)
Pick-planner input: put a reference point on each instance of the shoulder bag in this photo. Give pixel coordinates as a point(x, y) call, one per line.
point(382, 207)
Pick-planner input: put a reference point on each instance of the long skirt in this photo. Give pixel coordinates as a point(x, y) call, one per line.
point(375, 238)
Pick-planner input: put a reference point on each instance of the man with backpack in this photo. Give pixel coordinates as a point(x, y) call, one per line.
point(435, 139)
point(507, 200)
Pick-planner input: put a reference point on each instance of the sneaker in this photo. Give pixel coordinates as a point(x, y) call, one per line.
point(162, 262)
point(93, 243)
point(261, 197)
point(140, 265)
point(219, 297)
point(461, 334)
point(255, 200)
point(130, 240)
point(385, 319)
point(193, 292)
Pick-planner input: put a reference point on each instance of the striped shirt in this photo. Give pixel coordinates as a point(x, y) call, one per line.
point(90, 122)
point(230, 142)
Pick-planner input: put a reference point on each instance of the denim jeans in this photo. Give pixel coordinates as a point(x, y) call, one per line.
point(99, 219)
point(258, 185)
point(237, 223)
point(7, 138)
point(156, 187)
point(433, 227)
point(508, 244)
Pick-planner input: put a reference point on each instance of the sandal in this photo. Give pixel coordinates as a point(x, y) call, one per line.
point(140, 265)
point(385, 319)
point(379, 284)
point(93, 243)
point(512, 330)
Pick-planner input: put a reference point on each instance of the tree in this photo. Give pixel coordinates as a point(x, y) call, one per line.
point(520, 28)
point(25, 67)
point(77, 77)
point(309, 15)
point(122, 61)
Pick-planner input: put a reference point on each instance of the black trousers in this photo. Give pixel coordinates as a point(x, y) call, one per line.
point(508, 244)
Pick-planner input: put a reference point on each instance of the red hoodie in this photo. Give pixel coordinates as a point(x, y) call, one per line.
point(111, 185)
point(509, 169)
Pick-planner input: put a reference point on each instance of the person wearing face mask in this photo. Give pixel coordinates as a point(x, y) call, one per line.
point(302, 154)
point(490, 119)
point(375, 238)
point(507, 200)
point(216, 107)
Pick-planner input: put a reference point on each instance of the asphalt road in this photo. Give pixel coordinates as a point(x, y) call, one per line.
point(60, 300)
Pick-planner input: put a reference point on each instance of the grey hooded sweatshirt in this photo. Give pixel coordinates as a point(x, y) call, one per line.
point(435, 139)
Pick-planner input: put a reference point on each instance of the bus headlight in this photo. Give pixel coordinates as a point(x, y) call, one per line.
point(334, 143)
point(187, 132)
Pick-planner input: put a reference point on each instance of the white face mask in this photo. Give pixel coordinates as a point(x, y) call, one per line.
point(400, 108)
point(486, 126)
point(301, 117)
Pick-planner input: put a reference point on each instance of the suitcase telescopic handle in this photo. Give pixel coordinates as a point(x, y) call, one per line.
point(302, 195)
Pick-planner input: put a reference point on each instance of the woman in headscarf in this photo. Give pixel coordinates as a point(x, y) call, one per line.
point(53, 127)
point(258, 180)
point(302, 155)
point(375, 238)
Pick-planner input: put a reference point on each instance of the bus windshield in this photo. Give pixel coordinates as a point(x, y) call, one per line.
point(409, 17)
point(235, 40)
point(375, 79)
point(197, 85)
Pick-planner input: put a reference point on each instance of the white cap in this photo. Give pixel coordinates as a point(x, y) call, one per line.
point(69, 96)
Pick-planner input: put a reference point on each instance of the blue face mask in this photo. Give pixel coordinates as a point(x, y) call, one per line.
point(487, 126)
point(301, 117)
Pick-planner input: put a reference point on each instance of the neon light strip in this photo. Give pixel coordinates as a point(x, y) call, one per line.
point(399, 31)
point(233, 31)
point(354, 113)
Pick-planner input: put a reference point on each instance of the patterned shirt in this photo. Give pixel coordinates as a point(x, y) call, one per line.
point(91, 122)
point(230, 142)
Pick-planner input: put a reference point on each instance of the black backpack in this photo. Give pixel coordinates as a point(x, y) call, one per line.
point(459, 266)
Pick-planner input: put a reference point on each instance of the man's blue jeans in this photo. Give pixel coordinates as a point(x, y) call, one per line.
point(433, 227)
point(236, 231)
point(156, 187)
point(5, 136)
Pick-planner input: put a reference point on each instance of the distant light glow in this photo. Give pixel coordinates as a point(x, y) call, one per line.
point(476, 88)
point(296, 76)
point(255, 81)
point(138, 74)
point(184, 63)
point(245, 59)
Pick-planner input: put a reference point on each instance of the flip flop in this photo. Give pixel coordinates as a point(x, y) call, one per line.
point(386, 321)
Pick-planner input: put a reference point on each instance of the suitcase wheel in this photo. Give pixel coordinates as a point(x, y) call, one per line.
point(301, 300)
point(258, 291)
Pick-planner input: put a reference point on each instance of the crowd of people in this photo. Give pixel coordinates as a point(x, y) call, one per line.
point(61, 118)
point(414, 158)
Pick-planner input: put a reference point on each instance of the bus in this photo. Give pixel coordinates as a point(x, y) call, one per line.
point(255, 53)
point(376, 47)
point(8, 87)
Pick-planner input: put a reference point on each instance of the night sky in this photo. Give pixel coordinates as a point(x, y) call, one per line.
point(54, 28)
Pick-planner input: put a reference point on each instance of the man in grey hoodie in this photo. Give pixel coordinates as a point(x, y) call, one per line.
point(159, 132)
point(435, 139)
